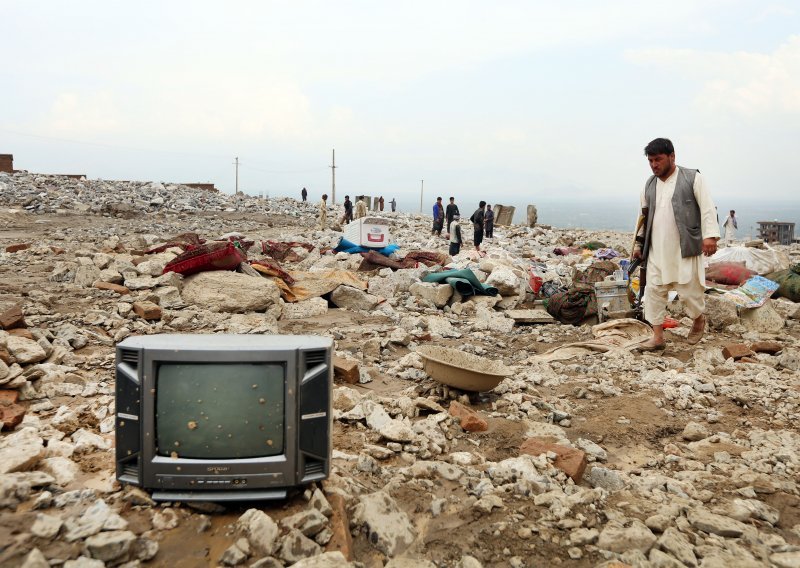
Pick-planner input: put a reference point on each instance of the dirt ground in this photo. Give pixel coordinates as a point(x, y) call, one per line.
point(631, 443)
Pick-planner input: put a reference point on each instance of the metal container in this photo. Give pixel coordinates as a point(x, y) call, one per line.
point(612, 299)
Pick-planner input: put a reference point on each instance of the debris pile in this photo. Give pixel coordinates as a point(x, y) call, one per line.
point(586, 454)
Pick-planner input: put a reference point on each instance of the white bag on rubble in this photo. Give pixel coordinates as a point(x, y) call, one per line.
point(762, 261)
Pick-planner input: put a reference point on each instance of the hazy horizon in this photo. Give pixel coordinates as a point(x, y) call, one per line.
point(509, 100)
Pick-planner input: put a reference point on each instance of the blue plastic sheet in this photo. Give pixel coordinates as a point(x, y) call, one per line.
point(352, 248)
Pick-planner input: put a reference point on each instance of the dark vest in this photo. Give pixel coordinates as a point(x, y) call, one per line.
point(685, 209)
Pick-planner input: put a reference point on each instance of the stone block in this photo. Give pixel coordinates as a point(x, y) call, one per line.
point(21, 332)
point(118, 288)
point(720, 313)
point(736, 351)
point(345, 370)
point(437, 294)
point(569, 460)
point(470, 420)
point(341, 541)
point(763, 319)
point(8, 396)
point(17, 247)
point(12, 318)
point(147, 310)
point(353, 299)
point(11, 415)
point(771, 347)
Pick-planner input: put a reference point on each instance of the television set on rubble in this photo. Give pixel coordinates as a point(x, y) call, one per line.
point(223, 417)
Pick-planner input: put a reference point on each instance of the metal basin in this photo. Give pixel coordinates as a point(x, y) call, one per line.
point(461, 370)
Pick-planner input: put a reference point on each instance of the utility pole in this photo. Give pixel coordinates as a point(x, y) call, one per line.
point(421, 187)
point(237, 175)
point(333, 178)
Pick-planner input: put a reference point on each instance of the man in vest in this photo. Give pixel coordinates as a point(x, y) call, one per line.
point(680, 227)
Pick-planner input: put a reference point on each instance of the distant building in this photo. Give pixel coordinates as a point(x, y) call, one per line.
point(776, 232)
point(203, 186)
point(7, 163)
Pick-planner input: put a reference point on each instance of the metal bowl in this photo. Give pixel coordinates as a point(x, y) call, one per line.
point(461, 370)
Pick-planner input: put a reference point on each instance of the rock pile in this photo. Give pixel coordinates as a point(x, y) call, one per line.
point(690, 458)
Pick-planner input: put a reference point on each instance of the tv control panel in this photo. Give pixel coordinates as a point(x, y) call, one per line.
point(217, 481)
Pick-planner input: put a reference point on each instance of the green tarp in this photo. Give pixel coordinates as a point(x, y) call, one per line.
point(463, 281)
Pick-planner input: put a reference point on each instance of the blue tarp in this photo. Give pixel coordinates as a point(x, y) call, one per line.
point(352, 248)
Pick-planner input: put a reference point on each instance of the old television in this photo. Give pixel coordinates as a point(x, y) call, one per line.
point(216, 417)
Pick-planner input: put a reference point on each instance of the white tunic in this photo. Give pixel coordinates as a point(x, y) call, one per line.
point(665, 265)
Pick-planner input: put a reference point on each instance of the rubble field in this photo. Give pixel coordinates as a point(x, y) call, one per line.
point(602, 457)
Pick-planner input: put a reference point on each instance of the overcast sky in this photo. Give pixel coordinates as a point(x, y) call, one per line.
point(527, 99)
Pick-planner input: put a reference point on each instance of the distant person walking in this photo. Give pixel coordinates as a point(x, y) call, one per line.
point(438, 217)
point(393, 203)
point(730, 227)
point(380, 203)
point(477, 225)
point(348, 210)
point(304, 194)
point(323, 212)
point(455, 235)
point(450, 212)
point(680, 228)
point(361, 208)
point(488, 222)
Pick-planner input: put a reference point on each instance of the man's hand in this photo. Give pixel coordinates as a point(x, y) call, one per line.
point(637, 254)
point(709, 246)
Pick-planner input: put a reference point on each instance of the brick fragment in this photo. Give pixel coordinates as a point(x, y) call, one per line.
point(147, 310)
point(736, 350)
point(11, 415)
point(470, 420)
point(345, 370)
point(12, 317)
point(8, 396)
point(571, 461)
point(17, 247)
point(340, 526)
point(118, 288)
point(770, 347)
point(20, 332)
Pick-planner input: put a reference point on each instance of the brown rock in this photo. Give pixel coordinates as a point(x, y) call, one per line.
point(6, 357)
point(147, 310)
point(17, 247)
point(571, 461)
point(340, 526)
point(8, 396)
point(21, 332)
point(118, 288)
point(770, 347)
point(747, 360)
point(57, 250)
point(470, 420)
point(12, 317)
point(11, 415)
point(345, 370)
point(736, 350)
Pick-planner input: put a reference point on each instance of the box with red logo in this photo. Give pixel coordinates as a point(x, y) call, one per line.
point(370, 232)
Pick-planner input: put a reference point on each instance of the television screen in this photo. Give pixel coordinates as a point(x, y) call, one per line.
point(219, 411)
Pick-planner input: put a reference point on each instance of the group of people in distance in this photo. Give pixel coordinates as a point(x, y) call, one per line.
point(482, 224)
point(349, 214)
